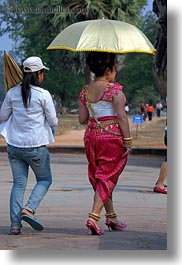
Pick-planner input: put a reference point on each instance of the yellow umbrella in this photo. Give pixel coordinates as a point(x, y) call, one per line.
point(12, 73)
point(102, 35)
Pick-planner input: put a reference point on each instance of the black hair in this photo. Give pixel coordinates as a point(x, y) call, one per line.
point(29, 79)
point(98, 62)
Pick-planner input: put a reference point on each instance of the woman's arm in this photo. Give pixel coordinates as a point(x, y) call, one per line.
point(83, 114)
point(6, 109)
point(49, 109)
point(119, 106)
point(83, 110)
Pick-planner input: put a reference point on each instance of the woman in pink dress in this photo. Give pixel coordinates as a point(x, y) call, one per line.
point(107, 138)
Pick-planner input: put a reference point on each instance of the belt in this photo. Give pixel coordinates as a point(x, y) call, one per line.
point(101, 124)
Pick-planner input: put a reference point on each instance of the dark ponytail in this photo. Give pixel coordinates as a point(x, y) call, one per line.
point(29, 79)
point(98, 62)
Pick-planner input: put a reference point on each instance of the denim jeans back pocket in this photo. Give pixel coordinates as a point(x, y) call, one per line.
point(36, 161)
point(39, 158)
point(12, 157)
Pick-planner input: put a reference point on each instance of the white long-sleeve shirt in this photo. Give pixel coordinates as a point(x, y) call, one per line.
point(29, 127)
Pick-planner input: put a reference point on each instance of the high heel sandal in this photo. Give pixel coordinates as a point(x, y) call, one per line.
point(92, 227)
point(114, 226)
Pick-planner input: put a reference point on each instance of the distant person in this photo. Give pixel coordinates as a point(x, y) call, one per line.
point(160, 187)
point(107, 138)
point(143, 110)
point(54, 102)
point(141, 107)
point(28, 113)
point(158, 108)
point(150, 110)
point(126, 108)
point(55, 106)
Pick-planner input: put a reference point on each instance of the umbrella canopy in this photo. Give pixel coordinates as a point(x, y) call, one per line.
point(12, 73)
point(102, 35)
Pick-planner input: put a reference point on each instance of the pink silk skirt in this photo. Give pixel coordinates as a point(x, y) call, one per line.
point(104, 154)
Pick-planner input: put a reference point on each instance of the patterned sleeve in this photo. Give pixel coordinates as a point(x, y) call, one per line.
point(116, 88)
point(82, 99)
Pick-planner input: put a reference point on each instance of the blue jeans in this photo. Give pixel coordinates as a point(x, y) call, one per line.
point(20, 159)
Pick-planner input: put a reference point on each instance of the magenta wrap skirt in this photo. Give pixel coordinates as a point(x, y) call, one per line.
point(104, 154)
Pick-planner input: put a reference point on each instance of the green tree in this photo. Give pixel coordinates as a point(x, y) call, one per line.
point(124, 10)
point(136, 74)
point(33, 25)
point(32, 32)
point(1, 77)
point(160, 58)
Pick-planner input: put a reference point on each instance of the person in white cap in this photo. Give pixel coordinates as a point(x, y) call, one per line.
point(33, 64)
point(27, 115)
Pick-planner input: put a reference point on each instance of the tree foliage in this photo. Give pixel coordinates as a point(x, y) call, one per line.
point(33, 25)
point(1, 78)
point(160, 58)
point(137, 74)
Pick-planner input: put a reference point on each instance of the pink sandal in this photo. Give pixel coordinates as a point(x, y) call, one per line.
point(160, 190)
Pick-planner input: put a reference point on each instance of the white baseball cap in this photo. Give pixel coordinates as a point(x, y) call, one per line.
point(33, 64)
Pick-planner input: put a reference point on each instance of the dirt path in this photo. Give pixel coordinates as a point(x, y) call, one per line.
point(70, 133)
point(150, 134)
point(70, 138)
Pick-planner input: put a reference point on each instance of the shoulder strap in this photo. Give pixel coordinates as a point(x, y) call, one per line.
point(90, 105)
point(93, 114)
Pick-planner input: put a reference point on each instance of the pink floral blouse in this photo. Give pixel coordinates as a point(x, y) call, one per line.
point(110, 90)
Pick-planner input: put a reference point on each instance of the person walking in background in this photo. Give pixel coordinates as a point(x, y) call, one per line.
point(158, 108)
point(28, 114)
point(143, 110)
point(150, 110)
point(55, 106)
point(126, 108)
point(107, 138)
point(160, 187)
